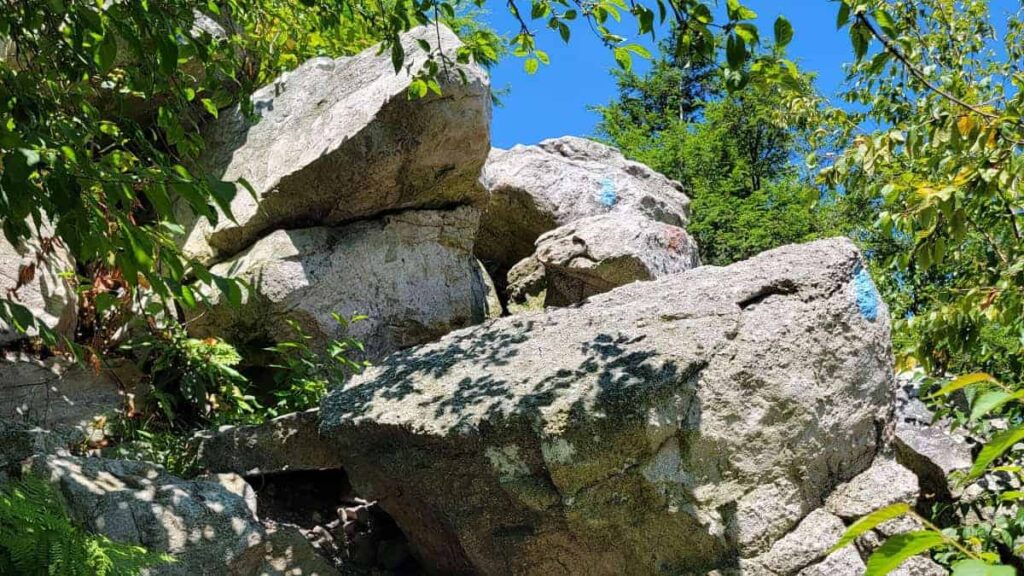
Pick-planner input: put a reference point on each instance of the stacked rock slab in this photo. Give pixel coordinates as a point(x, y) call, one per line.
point(363, 200)
point(677, 425)
point(596, 254)
point(412, 274)
point(562, 181)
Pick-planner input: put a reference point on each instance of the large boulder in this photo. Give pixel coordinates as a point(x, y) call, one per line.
point(412, 273)
point(208, 524)
point(340, 140)
point(534, 189)
point(31, 275)
point(677, 424)
point(287, 443)
point(595, 254)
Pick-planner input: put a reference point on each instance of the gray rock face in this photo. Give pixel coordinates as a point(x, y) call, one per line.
point(534, 189)
point(48, 296)
point(208, 524)
point(595, 254)
point(845, 562)
point(654, 427)
point(884, 484)
point(927, 447)
point(526, 280)
point(808, 544)
point(287, 443)
point(54, 392)
point(339, 140)
point(413, 274)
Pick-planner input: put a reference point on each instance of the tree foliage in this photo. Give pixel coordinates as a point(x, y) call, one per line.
point(738, 152)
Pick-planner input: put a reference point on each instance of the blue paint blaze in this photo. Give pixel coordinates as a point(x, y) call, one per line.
point(866, 294)
point(608, 194)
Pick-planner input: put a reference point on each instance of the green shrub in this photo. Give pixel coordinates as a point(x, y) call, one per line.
point(38, 538)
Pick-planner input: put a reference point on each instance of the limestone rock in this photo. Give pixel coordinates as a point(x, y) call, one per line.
point(340, 140)
point(884, 484)
point(595, 254)
point(283, 552)
point(287, 443)
point(412, 274)
point(54, 392)
point(534, 189)
point(208, 524)
point(653, 428)
point(492, 301)
point(47, 295)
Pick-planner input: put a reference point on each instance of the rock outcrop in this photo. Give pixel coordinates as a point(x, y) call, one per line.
point(288, 443)
point(412, 274)
point(31, 276)
point(340, 140)
point(208, 524)
point(596, 254)
point(56, 392)
point(678, 424)
point(535, 189)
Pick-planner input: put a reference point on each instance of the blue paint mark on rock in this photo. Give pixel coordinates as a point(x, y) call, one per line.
point(866, 294)
point(608, 194)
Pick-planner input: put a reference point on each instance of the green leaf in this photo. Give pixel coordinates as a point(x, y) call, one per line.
point(623, 58)
point(962, 382)
point(885, 22)
point(167, 52)
point(531, 65)
point(210, 107)
point(748, 32)
point(860, 38)
point(783, 32)
point(996, 447)
point(869, 522)
point(735, 52)
point(397, 54)
point(844, 15)
point(989, 401)
point(106, 53)
point(899, 548)
point(980, 568)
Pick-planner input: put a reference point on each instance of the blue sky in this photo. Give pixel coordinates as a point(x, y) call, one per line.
point(553, 102)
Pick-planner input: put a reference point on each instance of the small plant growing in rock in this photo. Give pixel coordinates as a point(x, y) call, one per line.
point(304, 377)
point(196, 378)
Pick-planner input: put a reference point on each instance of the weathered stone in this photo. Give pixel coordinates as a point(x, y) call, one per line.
point(807, 544)
point(50, 298)
point(654, 428)
point(844, 562)
point(208, 524)
point(492, 301)
point(534, 189)
point(929, 448)
point(526, 281)
point(412, 274)
point(284, 551)
point(933, 453)
point(55, 392)
point(595, 254)
point(339, 140)
point(919, 566)
point(288, 443)
point(884, 484)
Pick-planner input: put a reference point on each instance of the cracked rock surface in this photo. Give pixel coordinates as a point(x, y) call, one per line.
point(412, 273)
point(677, 424)
point(340, 140)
